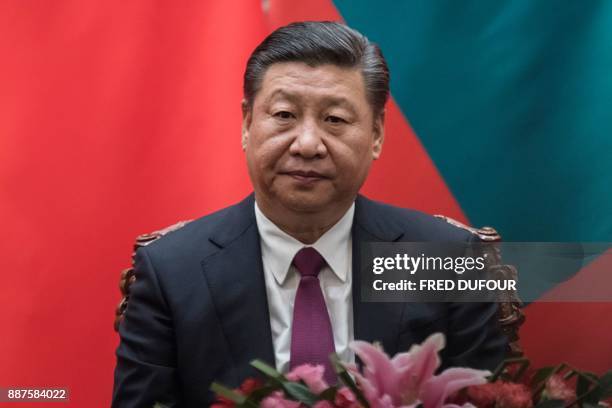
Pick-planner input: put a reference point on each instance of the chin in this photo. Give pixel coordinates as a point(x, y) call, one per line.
point(305, 202)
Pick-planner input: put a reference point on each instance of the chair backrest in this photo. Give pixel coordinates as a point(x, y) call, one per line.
point(128, 277)
point(510, 313)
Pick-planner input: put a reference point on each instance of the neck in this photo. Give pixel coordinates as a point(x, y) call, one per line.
point(306, 227)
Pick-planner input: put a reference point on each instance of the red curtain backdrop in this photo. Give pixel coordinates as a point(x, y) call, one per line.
point(117, 118)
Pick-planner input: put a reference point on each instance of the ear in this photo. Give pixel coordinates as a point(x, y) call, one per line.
point(246, 122)
point(379, 135)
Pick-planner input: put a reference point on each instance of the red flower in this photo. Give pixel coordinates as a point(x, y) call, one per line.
point(500, 395)
point(248, 386)
point(483, 396)
point(223, 403)
point(558, 389)
point(345, 399)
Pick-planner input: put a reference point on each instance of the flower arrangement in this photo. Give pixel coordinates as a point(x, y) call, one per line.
point(409, 380)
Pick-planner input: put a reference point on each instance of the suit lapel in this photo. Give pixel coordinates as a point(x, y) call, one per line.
point(235, 278)
point(236, 281)
point(373, 321)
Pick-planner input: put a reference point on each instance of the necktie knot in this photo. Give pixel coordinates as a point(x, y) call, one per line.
point(308, 262)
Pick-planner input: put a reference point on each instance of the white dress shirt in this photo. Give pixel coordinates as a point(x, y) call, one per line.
point(282, 278)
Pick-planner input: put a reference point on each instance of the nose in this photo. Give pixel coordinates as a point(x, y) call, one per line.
point(308, 141)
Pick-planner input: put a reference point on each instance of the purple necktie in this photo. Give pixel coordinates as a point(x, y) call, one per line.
point(312, 339)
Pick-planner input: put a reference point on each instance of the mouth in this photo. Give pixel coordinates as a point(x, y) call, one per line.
point(305, 176)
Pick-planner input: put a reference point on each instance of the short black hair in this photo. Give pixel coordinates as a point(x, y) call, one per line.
point(317, 43)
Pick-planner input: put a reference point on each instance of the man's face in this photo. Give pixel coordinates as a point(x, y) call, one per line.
point(310, 137)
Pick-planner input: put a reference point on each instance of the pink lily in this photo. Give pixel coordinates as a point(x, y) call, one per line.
point(407, 379)
point(438, 388)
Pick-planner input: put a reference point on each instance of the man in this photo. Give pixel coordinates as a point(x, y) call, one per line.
point(274, 277)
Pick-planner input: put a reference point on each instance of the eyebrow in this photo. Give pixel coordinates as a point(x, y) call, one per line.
point(339, 101)
point(327, 101)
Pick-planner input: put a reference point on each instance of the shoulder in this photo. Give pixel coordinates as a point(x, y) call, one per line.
point(415, 225)
point(200, 237)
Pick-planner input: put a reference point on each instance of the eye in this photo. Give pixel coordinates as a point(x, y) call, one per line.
point(335, 119)
point(284, 115)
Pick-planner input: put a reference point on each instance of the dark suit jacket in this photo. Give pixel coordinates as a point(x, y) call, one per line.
point(198, 311)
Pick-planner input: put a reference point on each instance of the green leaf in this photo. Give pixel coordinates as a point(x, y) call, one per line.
point(605, 382)
point(300, 393)
point(227, 393)
point(347, 380)
point(587, 388)
point(542, 375)
point(268, 370)
point(329, 394)
point(587, 391)
point(500, 371)
point(582, 386)
point(248, 404)
point(259, 394)
point(551, 404)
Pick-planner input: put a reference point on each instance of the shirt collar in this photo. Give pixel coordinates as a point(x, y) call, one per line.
point(279, 248)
